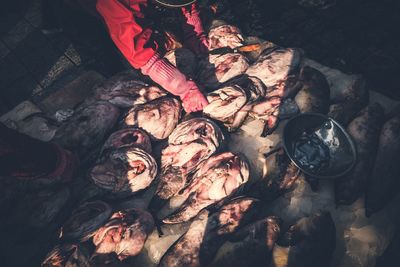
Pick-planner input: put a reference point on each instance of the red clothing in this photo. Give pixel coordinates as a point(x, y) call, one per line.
point(127, 28)
point(22, 156)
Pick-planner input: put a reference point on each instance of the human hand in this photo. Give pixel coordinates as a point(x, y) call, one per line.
point(193, 100)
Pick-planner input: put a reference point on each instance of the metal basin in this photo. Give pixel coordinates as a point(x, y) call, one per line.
point(319, 146)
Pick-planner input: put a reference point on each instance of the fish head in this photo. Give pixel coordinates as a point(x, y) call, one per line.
point(127, 169)
point(129, 137)
point(125, 233)
point(234, 214)
point(225, 36)
point(85, 220)
point(172, 182)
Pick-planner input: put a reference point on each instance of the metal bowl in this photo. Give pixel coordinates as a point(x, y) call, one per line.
point(319, 146)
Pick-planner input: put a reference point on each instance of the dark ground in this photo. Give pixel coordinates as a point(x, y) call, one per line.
point(355, 36)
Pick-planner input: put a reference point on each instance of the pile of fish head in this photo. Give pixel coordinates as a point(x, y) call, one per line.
point(364, 130)
point(184, 60)
point(225, 36)
point(87, 127)
point(124, 233)
point(217, 178)
point(275, 65)
point(275, 102)
point(67, 255)
point(309, 242)
point(384, 182)
point(277, 69)
point(250, 246)
point(268, 111)
point(232, 103)
point(225, 102)
point(124, 90)
point(207, 232)
point(85, 220)
point(255, 92)
point(217, 69)
point(253, 86)
point(190, 143)
point(125, 170)
point(158, 117)
point(128, 137)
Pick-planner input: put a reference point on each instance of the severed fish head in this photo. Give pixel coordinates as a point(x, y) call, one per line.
point(128, 137)
point(125, 170)
point(124, 234)
point(87, 127)
point(207, 232)
point(189, 144)
point(221, 175)
point(275, 65)
point(225, 102)
point(225, 36)
point(233, 215)
point(253, 86)
point(85, 220)
point(158, 118)
point(217, 178)
point(232, 103)
point(124, 90)
point(217, 69)
point(194, 129)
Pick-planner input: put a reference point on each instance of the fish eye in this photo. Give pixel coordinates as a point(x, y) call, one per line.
point(202, 131)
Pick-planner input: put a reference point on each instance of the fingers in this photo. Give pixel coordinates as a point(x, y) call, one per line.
point(194, 102)
point(193, 106)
